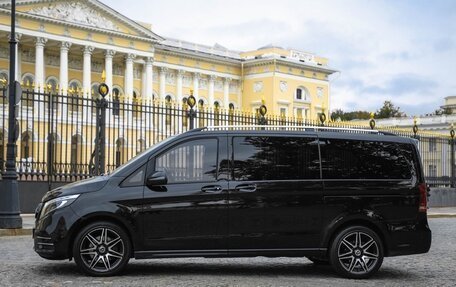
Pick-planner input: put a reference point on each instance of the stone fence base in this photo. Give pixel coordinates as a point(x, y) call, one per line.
point(442, 197)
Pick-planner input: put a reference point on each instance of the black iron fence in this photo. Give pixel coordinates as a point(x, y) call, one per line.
point(59, 133)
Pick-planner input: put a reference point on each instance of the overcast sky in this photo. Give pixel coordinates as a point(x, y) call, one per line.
point(404, 51)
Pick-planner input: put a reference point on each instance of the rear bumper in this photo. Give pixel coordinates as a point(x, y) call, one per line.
point(410, 239)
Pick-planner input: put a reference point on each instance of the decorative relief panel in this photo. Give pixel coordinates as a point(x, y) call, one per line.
point(155, 75)
point(75, 12)
point(28, 55)
point(97, 66)
point(52, 59)
point(258, 86)
point(170, 78)
point(203, 84)
point(4, 52)
point(234, 87)
point(283, 86)
point(218, 86)
point(118, 69)
point(136, 72)
point(74, 62)
point(187, 80)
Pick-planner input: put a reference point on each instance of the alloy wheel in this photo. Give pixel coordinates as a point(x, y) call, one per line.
point(358, 252)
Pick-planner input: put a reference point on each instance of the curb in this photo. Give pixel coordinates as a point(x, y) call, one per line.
point(15, 232)
point(442, 215)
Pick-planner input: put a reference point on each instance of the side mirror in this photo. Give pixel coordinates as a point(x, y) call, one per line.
point(156, 179)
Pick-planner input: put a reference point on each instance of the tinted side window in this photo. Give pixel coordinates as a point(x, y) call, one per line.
point(275, 158)
point(191, 161)
point(353, 159)
point(136, 178)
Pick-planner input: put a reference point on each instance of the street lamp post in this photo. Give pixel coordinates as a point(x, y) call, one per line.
point(9, 196)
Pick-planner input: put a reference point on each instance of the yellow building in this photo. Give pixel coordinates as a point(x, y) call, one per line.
point(65, 46)
point(69, 43)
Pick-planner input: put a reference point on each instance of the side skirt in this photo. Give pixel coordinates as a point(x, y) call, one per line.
point(289, 252)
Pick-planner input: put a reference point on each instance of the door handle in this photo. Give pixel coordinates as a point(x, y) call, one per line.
point(211, 188)
point(246, 187)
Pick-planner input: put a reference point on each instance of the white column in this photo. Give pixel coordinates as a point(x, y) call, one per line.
point(109, 54)
point(180, 76)
point(63, 78)
point(143, 81)
point(211, 90)
point(39, 63)
point(163, 71)
point(149, 77)
point(196, 77)
point(129, 74)
point(87, 69)
point(226, 92)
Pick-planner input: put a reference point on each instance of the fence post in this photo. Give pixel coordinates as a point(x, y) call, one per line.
point(98, 154)
point(452, 180)
point(50, 150)
point(191, 114)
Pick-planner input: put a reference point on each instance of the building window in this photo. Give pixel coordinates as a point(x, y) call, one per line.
point(136, 105)
point(201, 114)
point(216, 113)
point(76, 153)
point(168, 106)
point(140, 146)
point(115, 102)
point(27, 81)
point(74, 88)
point(302, 94)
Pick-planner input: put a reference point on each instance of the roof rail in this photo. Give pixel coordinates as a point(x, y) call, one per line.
point(303, 128)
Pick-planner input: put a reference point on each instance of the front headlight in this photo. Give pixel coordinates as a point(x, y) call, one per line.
point(57, 203)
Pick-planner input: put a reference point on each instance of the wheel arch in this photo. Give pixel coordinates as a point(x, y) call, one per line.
point(337, 227)
point(91, 218)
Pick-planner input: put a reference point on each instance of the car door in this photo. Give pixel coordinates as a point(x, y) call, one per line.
point(189, 213)
point(275, 193)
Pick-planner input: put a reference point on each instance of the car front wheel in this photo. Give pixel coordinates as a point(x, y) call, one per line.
point(356, 252)
point(102, 249)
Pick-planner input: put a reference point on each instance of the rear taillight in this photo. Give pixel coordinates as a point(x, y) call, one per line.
point(423, 197)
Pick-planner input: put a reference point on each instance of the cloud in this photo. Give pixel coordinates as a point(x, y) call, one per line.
point(403, 51)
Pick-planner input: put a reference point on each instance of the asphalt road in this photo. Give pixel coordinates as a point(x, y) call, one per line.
point(20, 266)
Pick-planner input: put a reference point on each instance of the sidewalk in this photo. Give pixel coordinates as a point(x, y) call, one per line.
point(28, 220)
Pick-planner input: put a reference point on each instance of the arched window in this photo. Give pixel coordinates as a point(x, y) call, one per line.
point(94, 90)
point(117, 93)
point(136, 105)
point(76, 153)
point(27, 85)
point(302, 94)
point(27, 81)
point(201, 114)
point(216, 113)
point(184, 112)
point(120, 151)
point(231, 114)
point(168, 106)
point(4, 77)
point(74, 101)
point(27, 145)
point(52, 90)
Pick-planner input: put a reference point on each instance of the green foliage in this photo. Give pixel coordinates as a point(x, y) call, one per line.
point(355, 115)
point(389, 110)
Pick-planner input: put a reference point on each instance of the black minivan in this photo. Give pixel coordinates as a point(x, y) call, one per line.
point(345, 198)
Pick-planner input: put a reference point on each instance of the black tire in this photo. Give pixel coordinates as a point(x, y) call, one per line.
point(356, 252)
point(318, 261)
point(102, 249)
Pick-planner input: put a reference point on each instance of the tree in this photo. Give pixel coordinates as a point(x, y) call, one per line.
point(389, 110)
point(348, 116)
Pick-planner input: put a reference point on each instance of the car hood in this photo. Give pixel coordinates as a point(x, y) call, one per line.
point(82, 186)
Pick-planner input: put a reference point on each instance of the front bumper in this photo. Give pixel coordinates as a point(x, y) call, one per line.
point(51, 234)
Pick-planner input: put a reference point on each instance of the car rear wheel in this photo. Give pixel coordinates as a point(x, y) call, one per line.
point(356, 252)
point(102, 249)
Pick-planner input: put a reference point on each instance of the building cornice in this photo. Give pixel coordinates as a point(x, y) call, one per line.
point(172, 51)
point(288, 63)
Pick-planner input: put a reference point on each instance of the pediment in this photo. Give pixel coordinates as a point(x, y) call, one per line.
point(87, 13)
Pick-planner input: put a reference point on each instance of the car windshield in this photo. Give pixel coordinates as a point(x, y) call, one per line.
point(140, 156)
